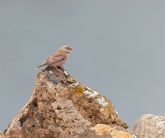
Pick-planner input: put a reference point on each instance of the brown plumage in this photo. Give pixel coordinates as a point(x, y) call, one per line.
point(59, 58)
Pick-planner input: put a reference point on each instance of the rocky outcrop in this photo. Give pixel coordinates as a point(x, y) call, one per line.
point(62, 107)
point(1, 135)
point(150, 126)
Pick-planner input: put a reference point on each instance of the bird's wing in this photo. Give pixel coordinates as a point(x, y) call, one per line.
point(57, 59)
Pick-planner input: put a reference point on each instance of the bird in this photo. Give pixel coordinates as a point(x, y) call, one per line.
point(58, 58)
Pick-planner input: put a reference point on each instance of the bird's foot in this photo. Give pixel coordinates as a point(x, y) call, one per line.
point(61, 68)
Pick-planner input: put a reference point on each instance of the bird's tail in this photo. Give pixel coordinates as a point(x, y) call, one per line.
point(41, 65)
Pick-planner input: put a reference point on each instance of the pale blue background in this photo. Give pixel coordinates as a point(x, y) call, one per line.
point(119, 49)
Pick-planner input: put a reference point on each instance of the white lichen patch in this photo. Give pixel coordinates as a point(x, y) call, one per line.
point(116, 112)
point(89, 88)
point(95, 93)
point(76, 83)
point(66, 73)
point(50, 72)
point(87, 93)
point(102, 101)
point(90, 93)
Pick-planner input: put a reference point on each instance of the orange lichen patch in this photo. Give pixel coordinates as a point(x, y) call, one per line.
point(79, 90)
point(115, 132)
point(107, 111)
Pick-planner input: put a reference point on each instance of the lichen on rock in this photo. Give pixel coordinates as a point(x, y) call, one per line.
point(61, 107)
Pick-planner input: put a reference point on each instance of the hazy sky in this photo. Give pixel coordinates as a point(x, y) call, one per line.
point(119, 50)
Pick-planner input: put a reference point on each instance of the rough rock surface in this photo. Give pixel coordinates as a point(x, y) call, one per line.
point(1, 135)
point(150, 126)
point(62, 107)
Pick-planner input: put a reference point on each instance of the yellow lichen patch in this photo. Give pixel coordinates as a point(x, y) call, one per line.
point(115, 132)
point(79, 90)
point(107, 111)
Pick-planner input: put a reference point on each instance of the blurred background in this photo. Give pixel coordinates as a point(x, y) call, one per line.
point(119, 50)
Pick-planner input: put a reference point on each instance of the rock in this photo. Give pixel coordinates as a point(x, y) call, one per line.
point(1, 135)
point(62, 107)
point(150, 126)
point(114, 132)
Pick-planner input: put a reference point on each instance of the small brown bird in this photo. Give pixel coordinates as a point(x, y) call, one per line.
point(59, 58)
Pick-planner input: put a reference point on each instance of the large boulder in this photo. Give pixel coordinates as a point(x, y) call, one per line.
point(150, 126)
point(62, 107)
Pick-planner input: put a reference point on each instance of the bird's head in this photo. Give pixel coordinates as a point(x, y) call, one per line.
point(66, 49)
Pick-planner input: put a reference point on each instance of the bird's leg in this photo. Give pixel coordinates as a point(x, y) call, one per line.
point(61, 68)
